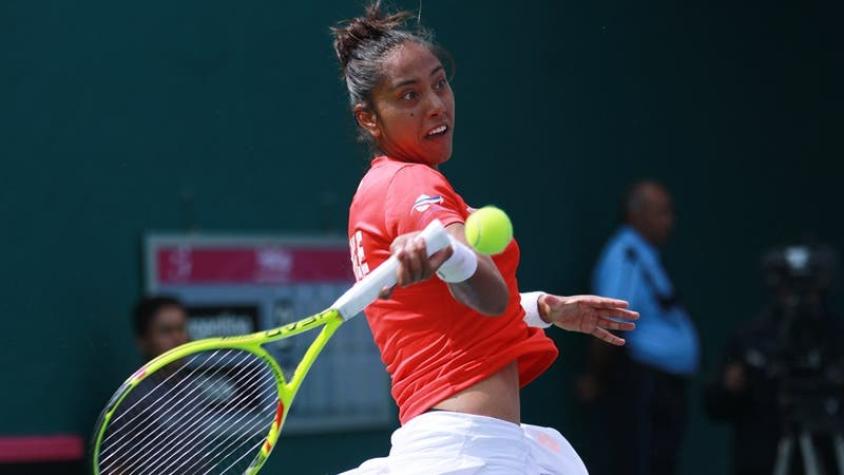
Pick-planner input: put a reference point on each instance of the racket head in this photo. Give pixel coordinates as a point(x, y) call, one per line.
point(209, 406)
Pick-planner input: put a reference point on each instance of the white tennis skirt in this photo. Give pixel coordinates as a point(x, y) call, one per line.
point(441, 442)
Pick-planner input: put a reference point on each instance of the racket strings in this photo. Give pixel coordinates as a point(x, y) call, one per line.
point(177, 439)
point(119, 426)
point(173, 374)
point(181, 447)
point(195, 421)
point(162, 406)
point(208, 414)
point(156, 445)
point(234, 464)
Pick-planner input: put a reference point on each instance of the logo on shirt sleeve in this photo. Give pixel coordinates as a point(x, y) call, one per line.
point(425, 201)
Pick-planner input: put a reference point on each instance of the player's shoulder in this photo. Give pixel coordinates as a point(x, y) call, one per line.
point(414, 169)
point(381, 176)
point(386, 171)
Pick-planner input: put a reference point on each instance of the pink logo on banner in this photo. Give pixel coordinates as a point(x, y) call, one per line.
point(274, 265)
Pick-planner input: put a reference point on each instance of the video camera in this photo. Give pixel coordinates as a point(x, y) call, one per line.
point(808, 361)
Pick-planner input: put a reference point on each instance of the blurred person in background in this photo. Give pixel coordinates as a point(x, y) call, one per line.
point(782, 374)
point(160, 324)
point(640, 389)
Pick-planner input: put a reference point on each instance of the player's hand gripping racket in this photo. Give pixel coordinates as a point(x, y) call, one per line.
point(217, 405)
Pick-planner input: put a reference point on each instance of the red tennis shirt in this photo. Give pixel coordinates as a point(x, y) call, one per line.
point(432, 345)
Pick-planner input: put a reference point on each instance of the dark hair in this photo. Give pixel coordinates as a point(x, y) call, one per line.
point(362, 43)
point(147, 308)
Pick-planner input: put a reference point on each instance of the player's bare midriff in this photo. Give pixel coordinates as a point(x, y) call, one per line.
point(496, 396)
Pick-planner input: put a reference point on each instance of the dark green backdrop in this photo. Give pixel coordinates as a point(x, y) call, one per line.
point(117, 118)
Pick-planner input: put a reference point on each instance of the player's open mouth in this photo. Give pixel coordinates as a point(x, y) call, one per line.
point(438, 131)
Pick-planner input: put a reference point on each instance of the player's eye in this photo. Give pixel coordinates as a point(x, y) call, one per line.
point(409, 96)
point(440, 84)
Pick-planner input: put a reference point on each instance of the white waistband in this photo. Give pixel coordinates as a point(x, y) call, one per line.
point(470, 424)
point(459, 434)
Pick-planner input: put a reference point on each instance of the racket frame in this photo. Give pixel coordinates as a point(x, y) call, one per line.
point(252, 343)
point(351, 303)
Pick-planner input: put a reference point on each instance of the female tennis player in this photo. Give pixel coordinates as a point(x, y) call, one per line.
point(461, 343)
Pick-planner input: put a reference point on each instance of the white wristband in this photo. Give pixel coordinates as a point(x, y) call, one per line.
point(461, 265)
point(530, 302)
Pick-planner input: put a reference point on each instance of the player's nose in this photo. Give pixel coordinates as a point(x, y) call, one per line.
point(436, 105)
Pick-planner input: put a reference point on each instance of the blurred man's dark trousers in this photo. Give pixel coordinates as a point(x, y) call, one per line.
point(647, 417)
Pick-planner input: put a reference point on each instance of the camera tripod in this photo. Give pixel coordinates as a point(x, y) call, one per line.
point(811, 462)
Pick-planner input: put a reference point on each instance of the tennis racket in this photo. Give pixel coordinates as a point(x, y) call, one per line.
point(217, 405)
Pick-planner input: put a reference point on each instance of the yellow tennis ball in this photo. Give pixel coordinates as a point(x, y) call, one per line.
point(489, 230)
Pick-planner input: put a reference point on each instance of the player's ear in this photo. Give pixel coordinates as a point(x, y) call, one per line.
point(367, 119)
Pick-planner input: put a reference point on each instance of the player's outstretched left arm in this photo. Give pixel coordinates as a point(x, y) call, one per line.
point(590, 314)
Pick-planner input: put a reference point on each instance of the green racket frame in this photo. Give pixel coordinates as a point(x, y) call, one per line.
point(347, 306)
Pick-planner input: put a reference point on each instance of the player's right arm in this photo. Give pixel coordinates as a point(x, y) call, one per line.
point(485, 291)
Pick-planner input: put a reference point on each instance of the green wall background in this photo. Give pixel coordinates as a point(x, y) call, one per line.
point(118, 118)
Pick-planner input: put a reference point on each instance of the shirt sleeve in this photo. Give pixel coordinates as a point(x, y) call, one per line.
point(416, 196)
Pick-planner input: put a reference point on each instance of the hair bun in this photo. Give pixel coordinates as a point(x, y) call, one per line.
point(374, 25)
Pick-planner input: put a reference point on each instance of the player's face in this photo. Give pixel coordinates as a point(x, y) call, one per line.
point(167, 331)
point(414, 107)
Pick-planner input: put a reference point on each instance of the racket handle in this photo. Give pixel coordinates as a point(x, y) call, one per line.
point(366, 291)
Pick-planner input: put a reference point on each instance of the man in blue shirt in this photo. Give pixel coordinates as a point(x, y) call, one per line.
point(643, 384)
